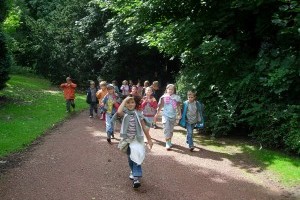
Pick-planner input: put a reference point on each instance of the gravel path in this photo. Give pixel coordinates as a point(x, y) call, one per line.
point(74, 161)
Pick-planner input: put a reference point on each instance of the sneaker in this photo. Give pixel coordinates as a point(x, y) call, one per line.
point(136, 183)
point(155, 126)
point(113, 136)
point(192, 149)
point(91, 116)
point(108, 140)
point(131, 177)
point(168, 145)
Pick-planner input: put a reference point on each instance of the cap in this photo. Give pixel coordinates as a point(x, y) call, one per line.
point(110, 86)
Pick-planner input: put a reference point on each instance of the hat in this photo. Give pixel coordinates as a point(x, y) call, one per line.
point(110, 86)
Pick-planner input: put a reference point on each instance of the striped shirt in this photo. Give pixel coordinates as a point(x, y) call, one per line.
point(131, 131)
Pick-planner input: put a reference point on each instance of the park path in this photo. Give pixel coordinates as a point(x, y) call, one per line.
point(74, 162)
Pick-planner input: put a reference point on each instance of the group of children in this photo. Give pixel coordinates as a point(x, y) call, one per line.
point(139, 113)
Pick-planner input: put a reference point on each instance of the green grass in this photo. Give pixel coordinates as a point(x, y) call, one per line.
point(29, 107)
point(285, 168)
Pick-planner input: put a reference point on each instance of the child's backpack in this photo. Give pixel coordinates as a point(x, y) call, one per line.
point(201, 126)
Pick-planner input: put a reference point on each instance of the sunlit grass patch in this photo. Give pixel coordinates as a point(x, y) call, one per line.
point(285, 168)
point(29, 107)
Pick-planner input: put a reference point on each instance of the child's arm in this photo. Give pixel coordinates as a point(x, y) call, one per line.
point(121, 107)
point(160, 105)
point(63, 85)
point(179, 110)
point(147, 134)
point(73, 85)
point(153, 103)
point(104, 100)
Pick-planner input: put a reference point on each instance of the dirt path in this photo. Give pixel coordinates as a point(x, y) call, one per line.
point(74, 161)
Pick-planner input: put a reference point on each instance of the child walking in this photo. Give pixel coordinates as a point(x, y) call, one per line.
point(191, 116)
point(91, 99)
point(69, 93)
point(100, 95)
point(149, 106)
point(125, 88)
point(170, 102)
point(133, 130)
point(110, 104)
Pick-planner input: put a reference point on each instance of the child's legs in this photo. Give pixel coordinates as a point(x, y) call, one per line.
point(168, 126)
point(189, 135)
point(68, 103)
point(135, 168)
point(149, 120)
point(108, 124)
point(91, 109)
point(95, 107)
point(72, 103)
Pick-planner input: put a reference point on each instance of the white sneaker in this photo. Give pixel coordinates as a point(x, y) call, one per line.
point(168, 145)
point(131, 176)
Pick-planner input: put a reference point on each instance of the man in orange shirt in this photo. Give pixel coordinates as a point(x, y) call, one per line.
point(69, 93)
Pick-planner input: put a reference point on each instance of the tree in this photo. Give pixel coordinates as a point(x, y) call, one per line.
point(4, 54)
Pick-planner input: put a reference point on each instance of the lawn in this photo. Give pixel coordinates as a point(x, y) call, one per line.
point(29, 106)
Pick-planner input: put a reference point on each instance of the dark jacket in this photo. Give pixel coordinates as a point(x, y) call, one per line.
point(89, 96)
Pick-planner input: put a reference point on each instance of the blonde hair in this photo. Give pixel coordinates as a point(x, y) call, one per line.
point(92, 83)
point(171, 85)
point(125, 82)
point(155, 83)
point(103, 83)
point(148, 88)
point(147, 83)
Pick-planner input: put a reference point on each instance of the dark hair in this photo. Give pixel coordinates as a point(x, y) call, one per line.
point(138, 101)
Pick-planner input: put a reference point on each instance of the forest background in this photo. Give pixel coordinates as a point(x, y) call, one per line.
point(242, 57)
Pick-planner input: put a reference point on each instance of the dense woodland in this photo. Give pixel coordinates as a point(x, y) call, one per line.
point(242, 57)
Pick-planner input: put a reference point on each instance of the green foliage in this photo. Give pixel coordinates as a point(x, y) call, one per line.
point(5, 59)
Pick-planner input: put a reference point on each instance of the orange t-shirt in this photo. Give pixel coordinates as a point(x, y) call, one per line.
point(69, 90)
point(101, 94)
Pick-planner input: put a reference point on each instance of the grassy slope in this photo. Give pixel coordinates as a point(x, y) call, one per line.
point(31, 107)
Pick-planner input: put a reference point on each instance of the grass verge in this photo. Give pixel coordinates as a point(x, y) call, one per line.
point(285, 168)
point(28, 107)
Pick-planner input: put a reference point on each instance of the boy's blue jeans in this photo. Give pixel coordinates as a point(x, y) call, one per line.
point(189, 134)
point(109, 125)
point(135, 168)
point(69, 103)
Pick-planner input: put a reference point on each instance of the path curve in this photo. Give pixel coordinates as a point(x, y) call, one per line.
point(74, 162)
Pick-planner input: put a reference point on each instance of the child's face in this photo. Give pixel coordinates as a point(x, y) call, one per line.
point(134, 89)
point(92, 85)
point(170, 90)
point(130, 104)
point(110, 90)
point(191, 97)
point(148, 91)
point(103, 87)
